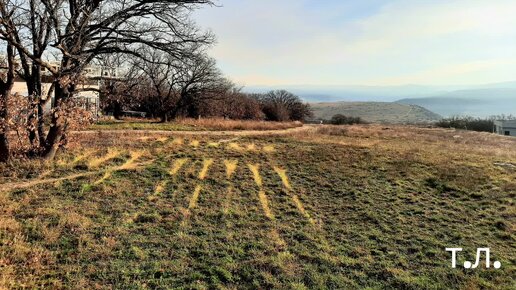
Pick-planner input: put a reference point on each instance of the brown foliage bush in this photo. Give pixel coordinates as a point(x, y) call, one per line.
point(17, 125)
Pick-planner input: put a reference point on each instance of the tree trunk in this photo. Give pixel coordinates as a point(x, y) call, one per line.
point(4, 148)
point(34, 88)
point(164, 117)
point(56, 131)
point(117, 111)
point(54, 136)
point(5, 91)
point(31, 121)
point(4, 143)
point(41, 122)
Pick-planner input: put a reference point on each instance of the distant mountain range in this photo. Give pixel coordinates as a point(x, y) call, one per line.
point(479, 101)
point(376, 112)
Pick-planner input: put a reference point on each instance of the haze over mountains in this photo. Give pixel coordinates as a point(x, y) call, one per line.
point(479, 101)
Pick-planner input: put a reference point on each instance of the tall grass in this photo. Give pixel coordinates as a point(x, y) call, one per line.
point(211, 124)
point(220, 124)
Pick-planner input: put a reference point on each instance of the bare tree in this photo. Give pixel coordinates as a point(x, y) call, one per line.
point(282, 105)
point(199, 80)
point(117, 89)
point(232, 104)
point(32, 28)
point(159, 73)
point(84, 30)
point(176, 87)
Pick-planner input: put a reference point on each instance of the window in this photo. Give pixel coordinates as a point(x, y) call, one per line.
point(507, 133)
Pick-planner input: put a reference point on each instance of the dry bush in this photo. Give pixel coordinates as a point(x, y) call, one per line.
point(276, 112)
point(18, 126)
point(227, 125)
point(340, 119)
point(333, 130)
point(77, 116)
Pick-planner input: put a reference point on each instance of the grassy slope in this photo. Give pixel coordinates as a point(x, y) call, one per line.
point(376, 112)
point(379, 206)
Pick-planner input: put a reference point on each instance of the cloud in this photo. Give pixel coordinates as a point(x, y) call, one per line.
point(362, 42)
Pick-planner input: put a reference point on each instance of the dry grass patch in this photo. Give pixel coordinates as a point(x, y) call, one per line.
point(230, 125)
point(178, 164)
point(130, 164)
point(255, 169)
point(195, 197)
point(97, 162)
point(362, 207)
point(231, 166)
point(205, 168)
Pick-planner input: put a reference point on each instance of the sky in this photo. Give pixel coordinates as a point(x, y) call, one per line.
point(363, 42)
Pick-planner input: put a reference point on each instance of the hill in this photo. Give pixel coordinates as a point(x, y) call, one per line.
point(376, 112)
point(354, 93)
point(340, 207)
point(478, 102)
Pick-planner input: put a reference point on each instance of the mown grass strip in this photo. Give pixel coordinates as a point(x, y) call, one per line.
point(195, 197)
point(282, 173)
point(96, 162)
point(205, 168)
point(128, 165)
point(255, 169)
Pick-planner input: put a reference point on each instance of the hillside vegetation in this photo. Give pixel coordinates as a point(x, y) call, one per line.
point(376, 112)
point(335, 207)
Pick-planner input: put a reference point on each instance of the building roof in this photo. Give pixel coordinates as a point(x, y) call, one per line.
point(506, 123)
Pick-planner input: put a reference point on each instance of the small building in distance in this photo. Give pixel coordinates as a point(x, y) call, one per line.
point(507, 128)
point(88, 89)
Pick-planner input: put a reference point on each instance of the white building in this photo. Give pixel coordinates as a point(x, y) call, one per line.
point(507, 128)
point(87, 92)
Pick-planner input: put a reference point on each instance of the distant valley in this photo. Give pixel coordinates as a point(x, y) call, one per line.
point(478, 101)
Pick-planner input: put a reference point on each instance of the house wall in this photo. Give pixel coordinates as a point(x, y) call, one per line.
point(506, 126)
point(502, 129)
point(511, 130)
point(90, 97)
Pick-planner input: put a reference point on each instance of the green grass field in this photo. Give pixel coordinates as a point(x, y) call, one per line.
point(339, 208)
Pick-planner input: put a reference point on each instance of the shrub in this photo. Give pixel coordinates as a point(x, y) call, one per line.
point(467, 123)
point(276, 112)
point(340, 119)
point(284, 106)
